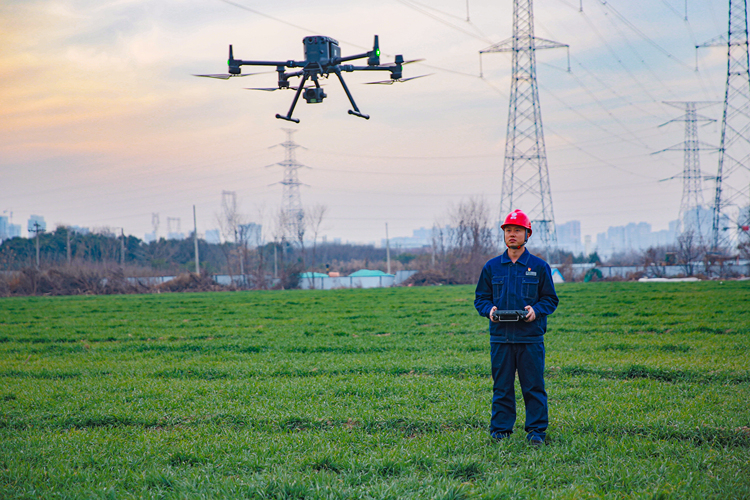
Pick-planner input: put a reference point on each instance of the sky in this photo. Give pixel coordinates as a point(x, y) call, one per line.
point(103, 124)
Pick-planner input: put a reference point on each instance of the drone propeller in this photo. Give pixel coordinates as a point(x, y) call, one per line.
point(391, 82)
point(227, 76)
point(412, 61)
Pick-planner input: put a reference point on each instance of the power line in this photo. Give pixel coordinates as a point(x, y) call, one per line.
point(641, 34)
point(412, 5)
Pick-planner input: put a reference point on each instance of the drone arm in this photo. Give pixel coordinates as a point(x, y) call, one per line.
point(288, 116)
point(356, 111)
point(349, 68)
point(288, 64)
point(373, 56)
point(353, 58)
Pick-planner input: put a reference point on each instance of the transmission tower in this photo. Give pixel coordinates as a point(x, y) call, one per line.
point(291, 203)
point(173, 227)
point(692, 186)
point(525, 173)
point(732, 174)
point(155, 225)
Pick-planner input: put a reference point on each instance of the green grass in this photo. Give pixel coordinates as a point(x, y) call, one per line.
point(371, 394)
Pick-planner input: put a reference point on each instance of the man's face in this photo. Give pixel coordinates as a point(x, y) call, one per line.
point(514, 235)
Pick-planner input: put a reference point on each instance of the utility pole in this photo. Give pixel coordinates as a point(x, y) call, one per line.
point(387, 249)
point(37, 229)
point(275, 261)
point(195, 239)
point(525, 173)
point(122, 247)
point(732, 173)
point(291, 202)
point(692, 188)
point(67, 243)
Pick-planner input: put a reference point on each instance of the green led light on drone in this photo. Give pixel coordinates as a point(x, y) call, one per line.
point(377, 52)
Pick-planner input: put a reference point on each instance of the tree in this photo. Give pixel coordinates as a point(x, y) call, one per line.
point(314, 220)
point(466, 243)
point(654, 262)
point(688, 251)
point(229, 221)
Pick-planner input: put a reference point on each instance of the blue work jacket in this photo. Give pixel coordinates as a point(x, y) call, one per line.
point(513, 286)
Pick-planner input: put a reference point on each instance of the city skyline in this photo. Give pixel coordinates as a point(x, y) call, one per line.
point(103, 124)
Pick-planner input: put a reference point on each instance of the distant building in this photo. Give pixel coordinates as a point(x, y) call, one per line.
point(175, 236)
point(8, 230)
point(80, 230)
point(634, 237)
point(421, 237)
point(569, 236)
point(149, 237)
point(36, 222)
point(587, 245)
point(213, 236)
point(700, 220)
point(251, 234)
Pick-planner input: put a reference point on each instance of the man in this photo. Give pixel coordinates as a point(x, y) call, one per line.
point(517, 280)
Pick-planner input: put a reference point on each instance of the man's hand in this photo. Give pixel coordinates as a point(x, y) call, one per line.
point(531, 315)
point(492, 311)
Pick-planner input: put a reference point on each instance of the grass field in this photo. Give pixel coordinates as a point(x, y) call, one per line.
point(377, 394)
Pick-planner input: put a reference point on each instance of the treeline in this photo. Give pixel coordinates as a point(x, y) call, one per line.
point(62, 247)
point(172, 257)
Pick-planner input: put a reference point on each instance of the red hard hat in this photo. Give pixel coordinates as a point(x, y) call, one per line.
point(517, 218)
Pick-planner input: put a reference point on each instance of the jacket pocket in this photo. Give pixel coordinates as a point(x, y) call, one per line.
point(530, 289)
point(497, 291)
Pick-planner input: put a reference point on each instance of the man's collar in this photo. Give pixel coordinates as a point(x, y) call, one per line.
point(523, 259)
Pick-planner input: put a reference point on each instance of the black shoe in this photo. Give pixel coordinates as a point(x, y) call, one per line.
point(536, 441)
point(499, 436)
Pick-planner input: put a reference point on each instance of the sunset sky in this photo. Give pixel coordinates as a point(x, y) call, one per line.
point(103, 124)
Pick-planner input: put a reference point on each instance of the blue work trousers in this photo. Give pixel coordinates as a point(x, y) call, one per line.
point(528, 361)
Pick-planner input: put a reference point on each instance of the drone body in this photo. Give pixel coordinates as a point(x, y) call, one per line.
point(322, 57)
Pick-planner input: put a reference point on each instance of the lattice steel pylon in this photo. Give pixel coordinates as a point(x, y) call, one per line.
point(692, 203)
point(525, 173)
point(293, 214)
point(155, 225)
point(734, 148)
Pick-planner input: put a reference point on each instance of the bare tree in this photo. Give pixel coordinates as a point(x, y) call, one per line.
point(284, 237)
point(314, 220)
point(254, 242)
point(472, 233)
point(688, 251)
point(467, 242)
point(438, 244)
point(229, 221)
point(298, 228)
point(743, 236)
point(654, 262)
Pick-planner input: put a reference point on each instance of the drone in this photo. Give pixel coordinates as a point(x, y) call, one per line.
point(322, 57)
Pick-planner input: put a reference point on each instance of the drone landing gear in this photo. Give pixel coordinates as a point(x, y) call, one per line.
point(316, 95)
point(356, 111)
point(288, 116)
